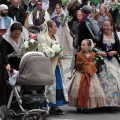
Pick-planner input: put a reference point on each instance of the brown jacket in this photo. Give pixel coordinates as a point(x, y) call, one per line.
point(96, 16)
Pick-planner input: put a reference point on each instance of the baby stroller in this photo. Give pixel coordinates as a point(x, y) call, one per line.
point(35, 72)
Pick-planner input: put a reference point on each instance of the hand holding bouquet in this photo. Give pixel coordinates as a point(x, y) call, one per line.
point(49, 52)
point(30, 45)
point(98, 59)
point(57, 48)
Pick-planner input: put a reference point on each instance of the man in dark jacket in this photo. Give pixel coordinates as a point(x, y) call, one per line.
point(17, 12)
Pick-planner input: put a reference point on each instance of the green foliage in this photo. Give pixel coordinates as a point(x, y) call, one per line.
point(64, 2)
point(98, 60)
point(32, 46)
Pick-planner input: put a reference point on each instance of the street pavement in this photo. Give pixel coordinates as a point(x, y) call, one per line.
point(71, 112)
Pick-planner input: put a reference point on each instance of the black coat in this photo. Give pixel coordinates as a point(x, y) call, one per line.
point(18, 13)
point(4, 88)
point(6, 49)
point(116, 48)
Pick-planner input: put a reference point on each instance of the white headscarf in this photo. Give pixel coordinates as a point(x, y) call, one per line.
point(24, 34)
point(55, 13)
point(17, 47)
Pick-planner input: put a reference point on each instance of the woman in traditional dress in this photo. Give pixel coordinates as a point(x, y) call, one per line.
point(63, 31)
point(56, 93)
point(11, 48)
point(110, 73)
point(85, 91)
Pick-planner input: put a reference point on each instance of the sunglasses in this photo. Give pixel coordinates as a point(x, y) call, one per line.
point(39, 4)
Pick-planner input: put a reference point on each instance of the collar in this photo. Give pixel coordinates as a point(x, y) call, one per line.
point(90, 15)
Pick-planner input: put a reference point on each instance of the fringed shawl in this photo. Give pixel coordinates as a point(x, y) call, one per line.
point(87, 67)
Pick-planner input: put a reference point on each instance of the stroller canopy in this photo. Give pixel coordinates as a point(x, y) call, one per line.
point(35, 69)
point(34, 29)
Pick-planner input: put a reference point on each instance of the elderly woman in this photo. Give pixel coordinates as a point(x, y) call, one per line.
point(56, 93)
point(88, 27)
point(109, 75)
point(63, 31)
point(102, 16)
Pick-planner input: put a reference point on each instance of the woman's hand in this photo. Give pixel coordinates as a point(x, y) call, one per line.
point(111, 53)
point(8, 67)
point(102, 53)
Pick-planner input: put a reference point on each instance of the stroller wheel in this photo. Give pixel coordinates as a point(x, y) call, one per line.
point(31, 117)
point(44, 117)
point(3, 112)
point(25, 118)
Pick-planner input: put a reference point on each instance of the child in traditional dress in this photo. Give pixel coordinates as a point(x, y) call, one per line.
point(85, 91)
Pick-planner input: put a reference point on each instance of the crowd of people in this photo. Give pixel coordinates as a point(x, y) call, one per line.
point(78, 26)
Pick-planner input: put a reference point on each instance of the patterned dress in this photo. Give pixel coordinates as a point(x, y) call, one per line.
point(96, 94)
point(110, 75)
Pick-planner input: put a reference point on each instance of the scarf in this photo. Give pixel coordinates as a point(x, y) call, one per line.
point(84, 18)
point(17, 47)
point(87, 68)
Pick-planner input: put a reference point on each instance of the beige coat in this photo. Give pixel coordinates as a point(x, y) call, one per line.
point(45, 42)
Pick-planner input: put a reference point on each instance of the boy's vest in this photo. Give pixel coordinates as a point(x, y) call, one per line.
point(41, 16)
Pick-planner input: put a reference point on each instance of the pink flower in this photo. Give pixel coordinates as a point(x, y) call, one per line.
point(32, 41)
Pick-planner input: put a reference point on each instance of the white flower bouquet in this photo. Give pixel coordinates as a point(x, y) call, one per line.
point(57, 48)
point(49, 52)
point(30, 45)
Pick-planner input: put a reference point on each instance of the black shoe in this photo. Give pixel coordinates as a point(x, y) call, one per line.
point(111, 110)
point(85, 111)
point(79, 110)
point(57, 111)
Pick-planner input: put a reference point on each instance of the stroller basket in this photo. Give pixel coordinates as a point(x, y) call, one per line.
point(35, 69)
point(33, 98)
